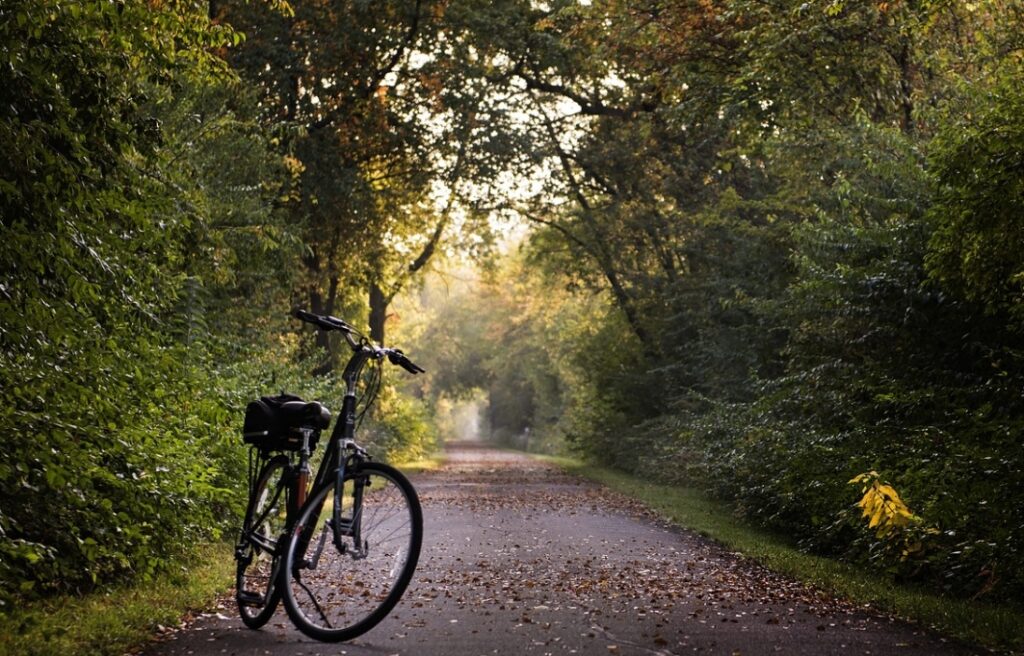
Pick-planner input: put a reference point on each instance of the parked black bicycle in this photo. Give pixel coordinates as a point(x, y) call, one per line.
point(339, 551)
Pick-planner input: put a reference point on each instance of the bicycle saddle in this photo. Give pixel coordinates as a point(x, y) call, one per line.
point(302, 414)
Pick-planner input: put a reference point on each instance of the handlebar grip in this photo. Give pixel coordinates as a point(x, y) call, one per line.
point(308, 317)
point(326, 323)
point(396, 357)
point(411, 367)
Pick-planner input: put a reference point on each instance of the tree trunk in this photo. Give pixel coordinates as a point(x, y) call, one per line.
point(320, 305)
point(906, 86)
point(378, 312)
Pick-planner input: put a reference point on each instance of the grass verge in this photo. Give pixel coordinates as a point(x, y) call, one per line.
point(996, 627)
point(429, 463)
point(113, 622)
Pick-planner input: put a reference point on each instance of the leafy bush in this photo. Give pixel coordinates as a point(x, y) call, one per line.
point(119, 427)
point(400, 430)
point(977, 249)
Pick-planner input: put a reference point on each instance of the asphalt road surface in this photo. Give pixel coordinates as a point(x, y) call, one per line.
point(519, 558)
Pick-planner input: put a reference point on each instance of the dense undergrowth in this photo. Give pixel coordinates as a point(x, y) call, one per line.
point(120, 619)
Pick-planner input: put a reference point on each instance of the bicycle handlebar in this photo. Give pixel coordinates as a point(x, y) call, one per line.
point(394, 356)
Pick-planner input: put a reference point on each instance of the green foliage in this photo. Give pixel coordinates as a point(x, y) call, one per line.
point(119, 620)
point(977, 246)
point(401, 429)
point(146, 271)
point(488, 337)
point(882, 371)
point(801, 221)
point(118, 143)
point(378, 123)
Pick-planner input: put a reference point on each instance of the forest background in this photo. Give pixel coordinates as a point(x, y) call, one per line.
point(760, 247)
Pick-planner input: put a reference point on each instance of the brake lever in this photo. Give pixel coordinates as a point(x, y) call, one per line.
point(396, 357)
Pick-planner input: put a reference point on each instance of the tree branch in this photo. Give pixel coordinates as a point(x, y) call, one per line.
point(588, 106)
point(379, 75)
point(568, 234)
point(602, 254)
point(435, 238)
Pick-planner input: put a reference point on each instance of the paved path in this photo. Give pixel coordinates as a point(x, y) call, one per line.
point(519, 558)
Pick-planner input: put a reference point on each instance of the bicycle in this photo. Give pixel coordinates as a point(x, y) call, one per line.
point(339, 551)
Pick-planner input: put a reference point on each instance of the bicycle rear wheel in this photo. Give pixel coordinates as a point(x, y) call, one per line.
point(256, 577)
point(338, 585)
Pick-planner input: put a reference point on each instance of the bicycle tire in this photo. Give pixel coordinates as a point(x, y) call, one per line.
point(334, 594)
point(257, 593)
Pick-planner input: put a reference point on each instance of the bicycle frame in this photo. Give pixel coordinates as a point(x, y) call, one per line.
point(337, 461)
point(340, 451)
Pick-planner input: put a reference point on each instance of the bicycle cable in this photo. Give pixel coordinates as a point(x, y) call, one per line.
point(372, 390)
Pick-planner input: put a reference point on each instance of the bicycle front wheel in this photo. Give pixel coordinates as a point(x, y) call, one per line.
point(341, 583)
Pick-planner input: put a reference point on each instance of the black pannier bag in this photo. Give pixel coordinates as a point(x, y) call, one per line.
point(272, 423)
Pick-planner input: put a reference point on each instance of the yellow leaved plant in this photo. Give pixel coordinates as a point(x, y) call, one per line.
point(888, 515)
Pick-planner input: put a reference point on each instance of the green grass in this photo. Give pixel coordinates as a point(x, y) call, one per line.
point(111, 623)
point(988, 625)
point(429, 463)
